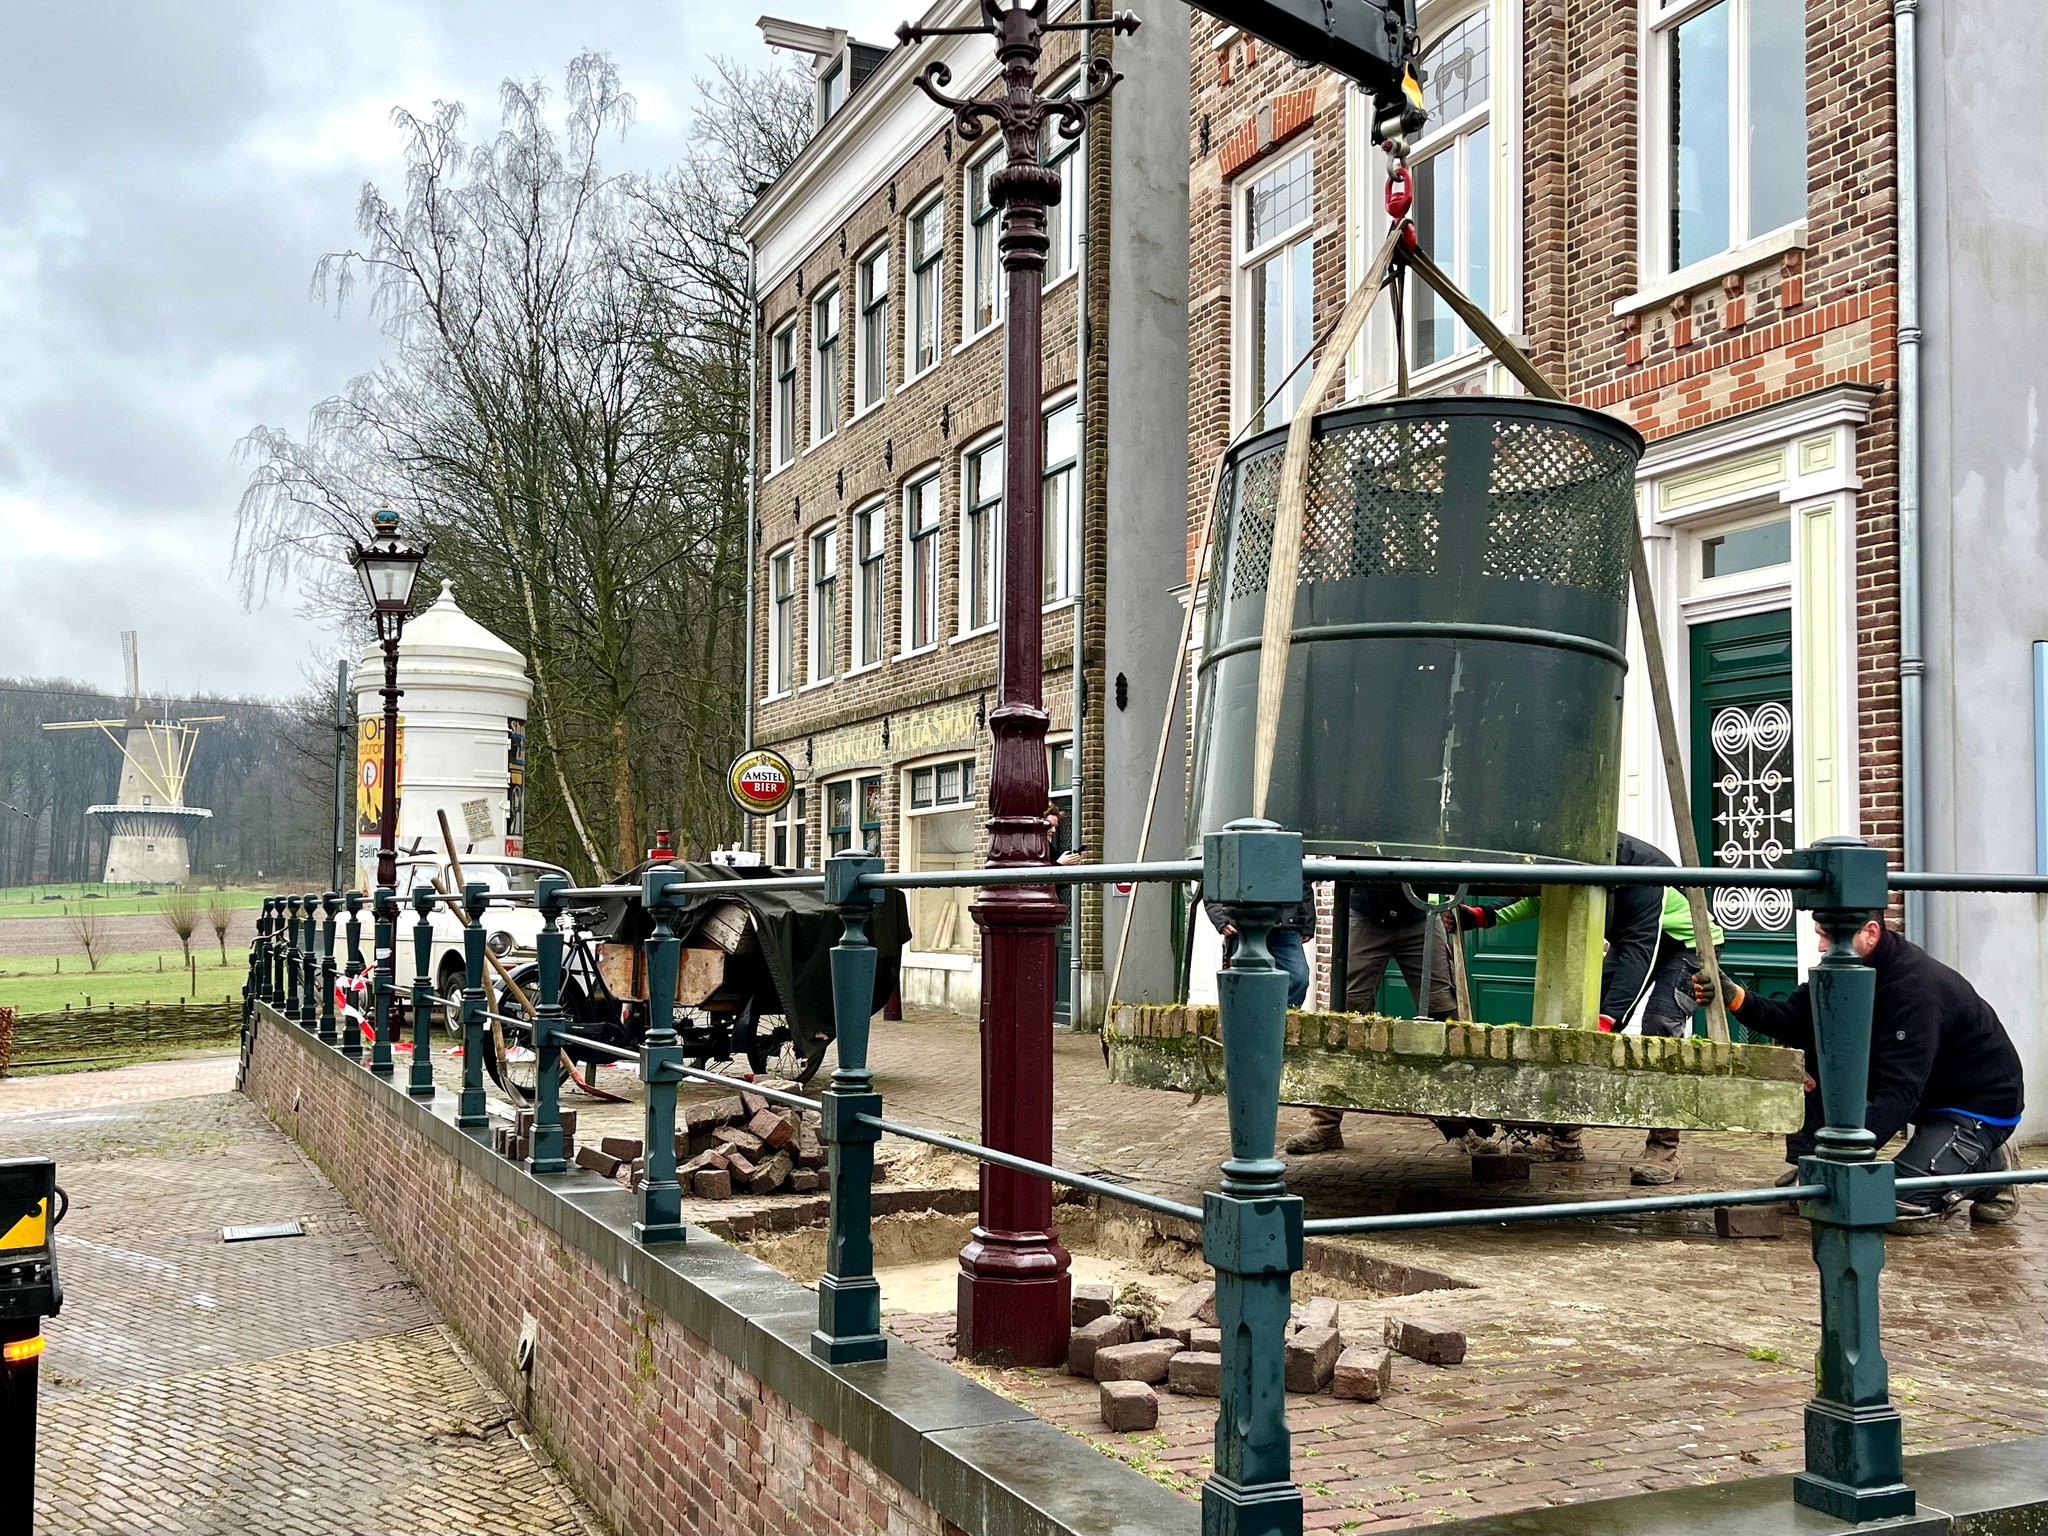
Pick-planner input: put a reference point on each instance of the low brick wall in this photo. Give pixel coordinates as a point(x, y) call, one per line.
point(677, 1389)
point(1508, 1072)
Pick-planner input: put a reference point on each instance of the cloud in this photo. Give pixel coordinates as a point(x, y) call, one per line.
point(173, 172)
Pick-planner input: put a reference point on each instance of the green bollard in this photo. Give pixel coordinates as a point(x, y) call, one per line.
point(352, 967)
point(1251, 1229)
point(330, 907)
point(470, 1113)
point(421, 1083)
point(1854, 1469)
point(545, 1155)
point(849, 1297)
point(384, 908)
point(661, 1055)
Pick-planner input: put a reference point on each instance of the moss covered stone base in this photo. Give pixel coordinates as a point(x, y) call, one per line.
point(1504, 1072)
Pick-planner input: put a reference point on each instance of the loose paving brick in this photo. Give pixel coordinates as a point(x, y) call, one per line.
point(192, 1386)
point(1128, 1406)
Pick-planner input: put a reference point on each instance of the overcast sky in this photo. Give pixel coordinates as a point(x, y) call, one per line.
point(169, 173)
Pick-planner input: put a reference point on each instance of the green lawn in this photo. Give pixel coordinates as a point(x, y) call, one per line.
point(113, 900)
point(33, 983)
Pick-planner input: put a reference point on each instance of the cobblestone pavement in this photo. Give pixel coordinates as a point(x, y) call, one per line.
point(295, 1385)
point(1607, 1357)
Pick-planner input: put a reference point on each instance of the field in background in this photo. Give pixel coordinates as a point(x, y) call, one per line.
point(119, 900)
point(33, 983)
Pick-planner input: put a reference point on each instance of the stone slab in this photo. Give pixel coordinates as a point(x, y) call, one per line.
point(1488, 1072)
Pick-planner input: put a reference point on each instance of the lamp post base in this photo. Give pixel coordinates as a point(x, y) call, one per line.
point(1016, 1298)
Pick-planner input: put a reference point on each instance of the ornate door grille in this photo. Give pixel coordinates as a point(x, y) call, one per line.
point(1752, 808)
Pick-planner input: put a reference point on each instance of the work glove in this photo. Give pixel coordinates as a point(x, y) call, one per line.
point(1731, 993)
point(1468, 918)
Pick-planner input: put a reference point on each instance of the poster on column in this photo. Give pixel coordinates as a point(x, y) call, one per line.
point(370, 793)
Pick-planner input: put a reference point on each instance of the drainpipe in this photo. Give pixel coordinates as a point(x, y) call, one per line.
point(1087, 156)
point(1912, 661)
point(753, 461)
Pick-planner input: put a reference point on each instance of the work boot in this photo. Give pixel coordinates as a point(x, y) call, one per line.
point(1786, 1179)
point(1325, 1133)
point(1660, 1160)
point(1476, 1143)
point(1567, 1144)
point(1995, 1207)
point(1918, 1221)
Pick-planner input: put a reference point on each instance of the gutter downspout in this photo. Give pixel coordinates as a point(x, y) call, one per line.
point(1912, 661)
point(753, 449)
point(1081, 285)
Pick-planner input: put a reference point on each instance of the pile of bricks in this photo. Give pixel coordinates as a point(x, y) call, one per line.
point(1183, 1350)
point(737, 1145)
point(516, 1140)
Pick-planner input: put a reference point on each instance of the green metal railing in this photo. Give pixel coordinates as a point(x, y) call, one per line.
point(1253, 1229)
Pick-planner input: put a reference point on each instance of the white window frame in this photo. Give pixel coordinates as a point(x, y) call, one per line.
point(782, 608)
point(924, 289)
point(870, 584)
point(1061, 575)
point(974, 221)
point(977, 500)
point(826, 371)
point(782, 397)
point(1242, 263)
point(793, 822)
point(1745, 246)
point(871, 316)
point(1066, 221)
point(964, 941)
point(821, 545)
point(1451, 137)
point(926, 601)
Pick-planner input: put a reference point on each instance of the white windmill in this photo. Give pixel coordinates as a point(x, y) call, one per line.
point(149, 825)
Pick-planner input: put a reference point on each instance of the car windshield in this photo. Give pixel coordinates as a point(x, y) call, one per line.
point(508, 878)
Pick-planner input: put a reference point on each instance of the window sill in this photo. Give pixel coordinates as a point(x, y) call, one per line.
point(871, 666)
point(781, 468)
point(916, 377)
point(818, 443)
point(865, 411)
point(1057, 604)
point(921, 650)
point(987, 330)
point(1704, 274)
point(777, 698)
point(823, 682)
point(974, 634)
point(1054, 282)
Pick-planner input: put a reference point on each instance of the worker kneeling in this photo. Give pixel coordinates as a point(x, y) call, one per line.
point(1940, 1060)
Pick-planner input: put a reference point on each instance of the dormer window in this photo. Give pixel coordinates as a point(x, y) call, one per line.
point(831, 90)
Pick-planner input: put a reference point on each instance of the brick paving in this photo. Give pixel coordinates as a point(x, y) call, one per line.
point(1607, 1357)
point(293, 1386)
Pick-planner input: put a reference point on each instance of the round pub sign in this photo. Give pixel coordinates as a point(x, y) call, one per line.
point(761, 781)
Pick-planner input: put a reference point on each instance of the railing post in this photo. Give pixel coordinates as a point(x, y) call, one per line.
point(849, 1297)
point(1251, 1230)
point(661, 1057)
point(546, 1154)
point(1853, 1433)
point(470, 1113)
point(330, 908)
point(352, 967)
point(309, 978)
point(291, 959)
point(259, 955)
point(421, 1083)
point(384, 960)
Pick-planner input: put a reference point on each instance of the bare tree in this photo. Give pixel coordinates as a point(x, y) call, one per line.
point(89, 929)
point(219, 914)
point(181, 916)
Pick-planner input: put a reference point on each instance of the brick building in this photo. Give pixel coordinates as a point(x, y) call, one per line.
point(1687, 208)
point(879, 483)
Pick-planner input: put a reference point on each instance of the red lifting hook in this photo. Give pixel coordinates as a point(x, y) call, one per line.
point(1400, 192)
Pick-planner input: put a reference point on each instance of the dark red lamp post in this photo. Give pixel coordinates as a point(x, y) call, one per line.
point(1014, 1288)
point(387, 570)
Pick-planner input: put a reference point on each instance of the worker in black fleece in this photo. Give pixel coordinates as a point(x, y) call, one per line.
point(1940, 1060)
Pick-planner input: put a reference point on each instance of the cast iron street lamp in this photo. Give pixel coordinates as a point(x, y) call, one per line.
point(387, 570)
point(1014, 1287)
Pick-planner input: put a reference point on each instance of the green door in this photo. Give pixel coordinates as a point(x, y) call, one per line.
point(1742, 786)
point(1500, 967)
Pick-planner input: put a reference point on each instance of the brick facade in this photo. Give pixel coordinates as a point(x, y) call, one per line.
point(1803, 313)
point(929, 704)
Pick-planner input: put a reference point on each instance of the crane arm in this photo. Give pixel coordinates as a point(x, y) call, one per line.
point(1373, 42)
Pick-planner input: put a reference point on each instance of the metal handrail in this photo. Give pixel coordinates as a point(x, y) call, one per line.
point(1563, 1210)
point(1097, 1186)
point(1452, 872)
point(1036, 874)
point(586, 1043)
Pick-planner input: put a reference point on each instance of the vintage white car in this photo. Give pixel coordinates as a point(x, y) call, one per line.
point(510, 930)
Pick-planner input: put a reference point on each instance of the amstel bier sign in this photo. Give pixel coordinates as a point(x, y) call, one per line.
point(761, 781)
